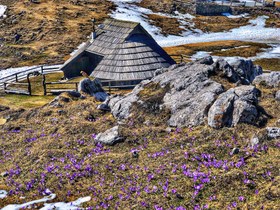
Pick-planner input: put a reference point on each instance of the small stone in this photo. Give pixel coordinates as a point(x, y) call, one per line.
point(74, 94)
point(104, 107)
point(109, 137)
point(255, 140)
point(135, 154)
point(277, 95)
point(235, 151)
point(273, 132)
point(4, 174)
point(169, 129)
point(61, 112)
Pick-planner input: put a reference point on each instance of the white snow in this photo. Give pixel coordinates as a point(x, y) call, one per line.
point(273, 52)
point(255, 31)
point(10, 71)
point(3, 9)
point(28, 204)
point(66, 206)
point(58, 206)
point(79, 47)
point(3, 194)
point(235, 16)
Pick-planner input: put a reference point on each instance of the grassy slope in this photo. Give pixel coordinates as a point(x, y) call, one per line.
point(44, 148)
point(57, 28)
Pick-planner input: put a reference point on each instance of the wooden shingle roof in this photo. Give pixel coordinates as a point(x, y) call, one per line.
point(129, 52)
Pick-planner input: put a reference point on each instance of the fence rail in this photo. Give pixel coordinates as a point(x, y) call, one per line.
point(19, 76)
point(108, 85)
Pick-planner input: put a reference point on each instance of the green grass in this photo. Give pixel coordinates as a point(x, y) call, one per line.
point(22, 101)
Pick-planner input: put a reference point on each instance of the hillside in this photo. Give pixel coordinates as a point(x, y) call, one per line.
point(52, 150)
point(51, 30)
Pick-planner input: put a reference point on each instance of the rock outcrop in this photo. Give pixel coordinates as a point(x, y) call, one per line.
point(241, 71)
point(268, 79)
point(237, 105)
point(191, 92)
point(93, 88)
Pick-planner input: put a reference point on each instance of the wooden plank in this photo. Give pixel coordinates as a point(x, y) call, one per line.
point(17, 83)
point(17, 91)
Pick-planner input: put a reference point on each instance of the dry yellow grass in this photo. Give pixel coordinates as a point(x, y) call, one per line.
point(215, 48)
point(218, 23)
point(166, 24)
point(50, 30)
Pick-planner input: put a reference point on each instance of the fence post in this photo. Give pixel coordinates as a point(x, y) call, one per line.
point(77, 86)
point(44, 85)
point(5, 86)
point(16, 77)
point(29, 84)
point(42, 69)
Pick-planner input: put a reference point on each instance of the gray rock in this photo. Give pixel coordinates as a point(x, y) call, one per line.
point(268, 79)
point(254, 140)
point(3, 108)
point(242, 71)
point(74, 94)
point(207, 60)
point(235, 151)
point(237, 105)
point(120, 105)
point(190, 95)
point(273, 132)
point(227, 70)
point(4, 174)
point(246, 70)
point(190, 92)
point(104, 107)
point(277, 95)
point(93, 88)
point(109, 137)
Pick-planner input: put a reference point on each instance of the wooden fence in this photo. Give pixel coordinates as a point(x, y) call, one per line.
point(56, 88)
point(25, 88)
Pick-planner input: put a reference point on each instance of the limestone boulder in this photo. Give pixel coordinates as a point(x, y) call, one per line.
point(237, 105)
point(268, 79)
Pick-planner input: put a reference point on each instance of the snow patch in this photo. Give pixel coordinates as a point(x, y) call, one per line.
point(3, 194)
point(255, 31)
point(28, 204)
point(3, 9)
point(228, 15)
point(59, 206)
point(79, 47)
point(66, 206)
point(10, 71)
